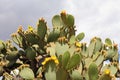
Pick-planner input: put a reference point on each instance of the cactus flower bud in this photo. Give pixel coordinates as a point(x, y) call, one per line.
point(20, 29)
point(63, 12)
point(42, 19)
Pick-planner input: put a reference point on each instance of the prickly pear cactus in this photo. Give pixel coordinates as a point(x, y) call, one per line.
point(57, 54)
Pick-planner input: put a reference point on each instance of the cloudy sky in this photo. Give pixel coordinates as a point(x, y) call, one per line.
point(94, 17)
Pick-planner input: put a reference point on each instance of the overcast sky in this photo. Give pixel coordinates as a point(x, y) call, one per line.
point(94, 17)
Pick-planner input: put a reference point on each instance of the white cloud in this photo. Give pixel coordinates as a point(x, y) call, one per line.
point(94, 17)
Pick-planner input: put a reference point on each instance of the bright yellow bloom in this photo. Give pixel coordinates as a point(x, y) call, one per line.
point(43, 63)
point(30, 28)
point(78, 44)
point(107, 71)
point(56, 61)
point(47, 59)
point(52, 58)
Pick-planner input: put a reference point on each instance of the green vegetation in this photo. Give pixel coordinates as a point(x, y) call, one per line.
point(57, 54)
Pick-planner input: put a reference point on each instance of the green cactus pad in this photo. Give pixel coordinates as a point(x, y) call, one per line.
point(51, 51)
point(99, 60)
point(91, 48)
point(73, 62)
point(53, 36)
point(72, 49)
point(113, 69)
point(62, 74)
point(30, 53)
point(32, 38)
point(50, 71)
point(65, 58)
point(98, 45)
point(88, 61)
point(75, 75)
point(80, 36)
point(111, 53)
point(72, 39)
point(61, 49)
point(41, 29)
point(60, 60)
point(70, 20)
point(84, 51)
point(57, 22)
point(93, 72)
point(12, 56)
point(108, 41)
point(27, 74)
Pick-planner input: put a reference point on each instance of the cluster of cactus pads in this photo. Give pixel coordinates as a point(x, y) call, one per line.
point(57, 54)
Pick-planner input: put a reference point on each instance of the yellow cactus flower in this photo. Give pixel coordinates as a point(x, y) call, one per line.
point(43, 63)
point(107, 71)
point(52, 58)
point(30, 28)
point(77, 44)
point(56, 61)
point(47, 59)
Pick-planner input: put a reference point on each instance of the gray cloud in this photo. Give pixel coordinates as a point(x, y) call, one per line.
point(24, 12)
point(94, 17)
